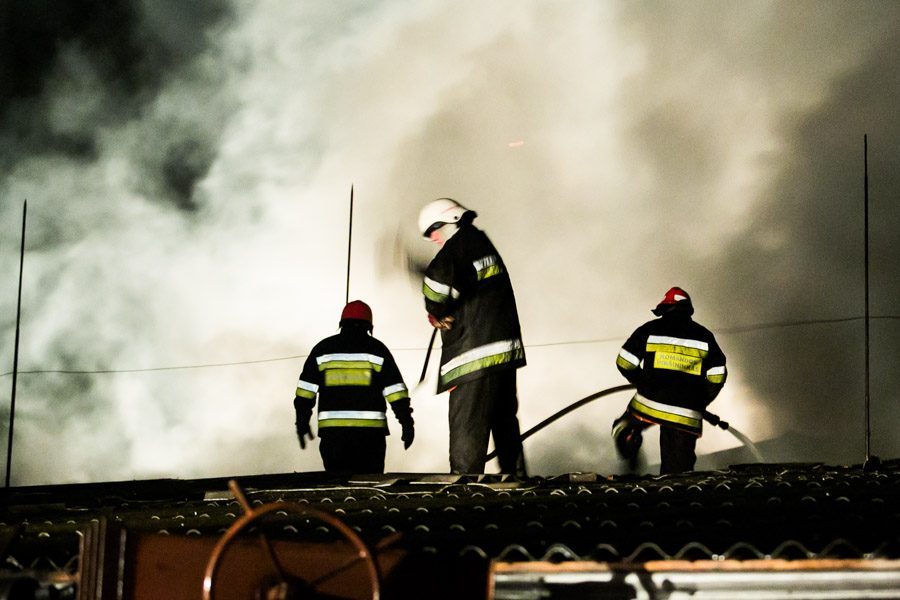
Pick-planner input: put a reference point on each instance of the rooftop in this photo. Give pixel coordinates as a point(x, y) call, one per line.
point(442, 533)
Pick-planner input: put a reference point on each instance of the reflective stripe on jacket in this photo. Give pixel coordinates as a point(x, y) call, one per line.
point(468, 280)
point(355, 378)
point(666, 414)
point(352, 418)
point(677, 367)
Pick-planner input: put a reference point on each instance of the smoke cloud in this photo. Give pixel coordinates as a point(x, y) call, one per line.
point(188, 168)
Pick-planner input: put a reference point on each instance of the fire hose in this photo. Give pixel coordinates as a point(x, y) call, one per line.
point(709, 417)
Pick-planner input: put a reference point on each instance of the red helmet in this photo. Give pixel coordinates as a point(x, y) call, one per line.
point(674, 298)
point(357, 310)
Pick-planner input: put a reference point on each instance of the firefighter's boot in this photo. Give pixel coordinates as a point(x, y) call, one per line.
point(627, 434)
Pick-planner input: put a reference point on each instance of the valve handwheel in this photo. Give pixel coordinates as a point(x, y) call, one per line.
point(282, 586)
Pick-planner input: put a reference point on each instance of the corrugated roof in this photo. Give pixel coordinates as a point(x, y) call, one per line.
point(772, 511)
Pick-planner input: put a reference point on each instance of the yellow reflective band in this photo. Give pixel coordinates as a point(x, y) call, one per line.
point(437, 291)
point(715, 378)
point(336, 377)
point(310, 387)
point(433, 295)
point(306, 390)
point(349, 364)
point(301, 393)
point(397, 396)
point(487, 267)
point(352, 414)
point(487, 350)
point(673, 349)
point(674, 341)
point(670, 361)
point(352, 418)
point(393, 388)
point(663, 415)
point(482, 363)
point(350, 359)
point(489, 272)
point(629, 357)
point(716, 374)
point(625, 364)
point(375, 423)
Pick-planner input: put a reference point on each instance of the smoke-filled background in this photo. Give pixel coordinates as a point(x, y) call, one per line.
point(188, 166)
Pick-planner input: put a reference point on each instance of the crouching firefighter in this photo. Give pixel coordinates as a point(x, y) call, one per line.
point(356, 378)
point(678, 369)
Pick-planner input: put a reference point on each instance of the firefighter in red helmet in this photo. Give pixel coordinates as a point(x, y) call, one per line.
point(356, 379)
point(678, 369)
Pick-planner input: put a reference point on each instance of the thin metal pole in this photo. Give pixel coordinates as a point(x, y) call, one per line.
point(866, 259)
point(349, 245)
point(12, 403)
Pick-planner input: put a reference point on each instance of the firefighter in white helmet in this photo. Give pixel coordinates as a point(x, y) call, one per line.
point(469, 298)
point(678, 369)
point(356, 379)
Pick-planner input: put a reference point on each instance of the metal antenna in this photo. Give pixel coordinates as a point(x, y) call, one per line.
point(872, 462)
point(349, 245)
point(12, 403)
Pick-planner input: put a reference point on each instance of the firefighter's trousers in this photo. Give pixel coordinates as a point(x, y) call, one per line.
point(478, 409)
point(677, 448)
point(352, 449)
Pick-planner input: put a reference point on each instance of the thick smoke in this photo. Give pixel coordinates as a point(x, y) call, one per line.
point(97, 132)
point(187, 168)
point(662, 162)
point(68, 71)
point(801, 257)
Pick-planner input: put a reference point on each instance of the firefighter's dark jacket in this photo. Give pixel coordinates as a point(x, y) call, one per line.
point(355, 377)
point(678, 369)
point(468, 281)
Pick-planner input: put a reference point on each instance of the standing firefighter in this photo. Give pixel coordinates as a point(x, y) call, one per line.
point(469, 298)
point(678, 369)
point(355, 377)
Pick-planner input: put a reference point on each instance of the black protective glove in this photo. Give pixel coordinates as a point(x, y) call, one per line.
point(303, 429)
point(409, 431)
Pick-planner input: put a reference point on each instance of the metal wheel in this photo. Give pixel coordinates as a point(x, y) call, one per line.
point(281, 585)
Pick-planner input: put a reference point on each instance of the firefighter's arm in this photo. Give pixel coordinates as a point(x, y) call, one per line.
point(397, 396)
point(716, 372)
point(305, 400)
point(715, 380)
point(304, 410)
point(403, 412)
point(629, 363)
point(441, 291)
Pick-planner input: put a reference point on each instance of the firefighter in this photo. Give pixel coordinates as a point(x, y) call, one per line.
point(356, 378)
point(469, 298)
point(678, 369)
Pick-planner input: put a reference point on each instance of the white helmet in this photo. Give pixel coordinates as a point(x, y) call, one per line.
point(438, 213)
